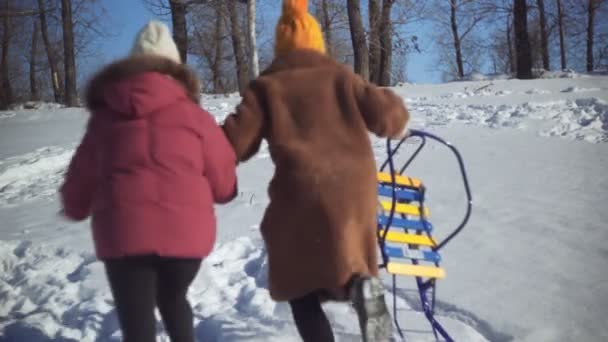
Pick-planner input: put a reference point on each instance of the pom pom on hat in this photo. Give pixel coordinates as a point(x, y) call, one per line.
point(297, 29)
point(295, 6)
point(155, 39)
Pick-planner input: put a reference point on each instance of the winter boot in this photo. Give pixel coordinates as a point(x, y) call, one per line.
point(367, 296)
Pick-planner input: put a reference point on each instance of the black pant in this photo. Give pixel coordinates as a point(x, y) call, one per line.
point(311, 321)
point(140, 284)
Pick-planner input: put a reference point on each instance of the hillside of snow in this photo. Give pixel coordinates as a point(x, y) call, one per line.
point(528, 267)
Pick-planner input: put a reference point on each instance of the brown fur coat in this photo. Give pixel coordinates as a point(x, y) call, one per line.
point(320, 225)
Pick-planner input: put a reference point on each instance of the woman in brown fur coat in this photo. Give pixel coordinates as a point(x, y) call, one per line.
point(320, 226)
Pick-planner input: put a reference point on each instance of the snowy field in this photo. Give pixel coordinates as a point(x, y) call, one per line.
point(528, 267)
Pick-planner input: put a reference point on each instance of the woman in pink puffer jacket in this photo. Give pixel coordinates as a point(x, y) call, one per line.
point(148, 171)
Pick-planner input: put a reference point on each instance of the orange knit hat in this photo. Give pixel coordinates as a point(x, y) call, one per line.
point(297, 29)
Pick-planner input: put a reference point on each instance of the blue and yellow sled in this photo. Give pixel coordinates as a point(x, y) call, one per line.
point(405, 232)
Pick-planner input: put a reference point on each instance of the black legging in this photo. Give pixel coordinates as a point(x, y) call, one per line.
point(139, 284)
point(310, 319)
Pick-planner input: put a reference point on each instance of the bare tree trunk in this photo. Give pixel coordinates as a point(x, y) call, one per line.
point(374, 41)
point(71, 98)
point(237, 46)
point(544, 41)
point(512, 64)
point(7, 92)
point(327, 27)
point(6, 98)
point(56, 80)
point(386, 43)
point(180, 30)
point(590, 28)
point(254, 64)
point(456, 37)
point(522, 41)
point(216, 66)
point(562, 43)
point(34, 95)
point(357, 33)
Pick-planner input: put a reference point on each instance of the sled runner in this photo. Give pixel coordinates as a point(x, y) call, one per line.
point(405, 232)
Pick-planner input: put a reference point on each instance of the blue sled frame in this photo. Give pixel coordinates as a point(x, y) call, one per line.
point(426, 288)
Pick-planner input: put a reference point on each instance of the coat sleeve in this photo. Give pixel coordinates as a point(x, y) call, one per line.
point(80, 180)
point(384, 112)
point(245, 128)
point(219, 160)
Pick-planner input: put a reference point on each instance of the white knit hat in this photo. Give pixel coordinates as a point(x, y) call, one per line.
point(155, 39)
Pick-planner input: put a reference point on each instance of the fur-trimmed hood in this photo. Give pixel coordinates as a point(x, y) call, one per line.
point(141, 81)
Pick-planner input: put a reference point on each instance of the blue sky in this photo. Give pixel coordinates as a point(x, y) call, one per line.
point(128, 16)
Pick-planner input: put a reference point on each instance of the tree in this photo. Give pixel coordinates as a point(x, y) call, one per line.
point(601, 38)
point(34, 94)
point(326, 22)
point(56, 80)
point(456, 37)
point(562, 43)
point(333, 17)
point(386, 43)
point(501, 48)
point(374, 40)
point(397, 39)
point(458, 21)
point(254, 64)
point(180, 29)
point(585, 35)
point(544, 40)
point(71, 97)
point(54, 22)
point(592, 7)
point(7, 91)
point(178, 10)
point(218, 56)
point(237, 46)
point(219, 41)
point(512, 57)
point(327, 27)
point(360, 51)
point(211, 19)
point(522, 42)
point(209, 42)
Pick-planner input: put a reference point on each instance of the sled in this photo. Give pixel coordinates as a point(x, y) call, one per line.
point(405, 234)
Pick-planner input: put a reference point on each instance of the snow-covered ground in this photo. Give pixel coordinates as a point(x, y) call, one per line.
point(528, 267)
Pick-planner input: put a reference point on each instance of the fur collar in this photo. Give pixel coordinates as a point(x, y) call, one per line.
point(125, 68)
point(301, 59)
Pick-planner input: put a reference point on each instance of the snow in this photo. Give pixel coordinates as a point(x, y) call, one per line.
point(526, 268)
point(553, 107)
point(32, 175)
point(568, 73)
point(62, 294)
point(38, 105)
point(476, 76)
point(537, 73)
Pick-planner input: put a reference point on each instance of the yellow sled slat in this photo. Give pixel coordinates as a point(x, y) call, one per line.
point(415, 270)
point(405, 209)
point(410, 239)
point(399, 180)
